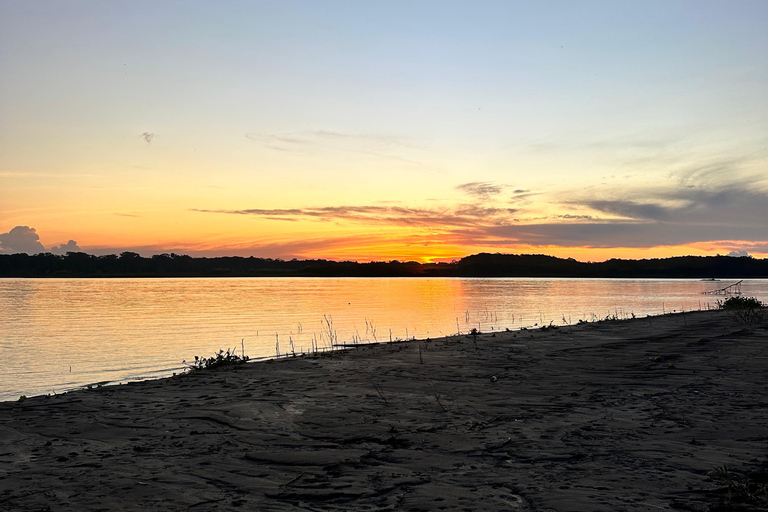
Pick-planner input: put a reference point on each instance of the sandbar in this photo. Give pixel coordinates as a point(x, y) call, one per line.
point(628, 415)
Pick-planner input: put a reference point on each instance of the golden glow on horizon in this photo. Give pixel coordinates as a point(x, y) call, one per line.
point(449, 253)
point(190, 232)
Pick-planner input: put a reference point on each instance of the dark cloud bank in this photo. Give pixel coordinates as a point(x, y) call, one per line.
point(730, 214)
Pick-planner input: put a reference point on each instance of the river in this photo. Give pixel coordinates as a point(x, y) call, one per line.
point(61, 334)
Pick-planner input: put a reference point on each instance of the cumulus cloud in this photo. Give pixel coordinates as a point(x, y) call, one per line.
point(70, 246)
point(738, 254)
point(21, 239)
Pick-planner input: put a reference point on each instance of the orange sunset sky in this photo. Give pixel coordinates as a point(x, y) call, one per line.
point(410, 130)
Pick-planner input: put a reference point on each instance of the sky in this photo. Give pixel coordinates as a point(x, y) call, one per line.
point(409, 130)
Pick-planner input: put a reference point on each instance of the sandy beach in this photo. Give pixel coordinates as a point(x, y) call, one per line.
point(625, 415)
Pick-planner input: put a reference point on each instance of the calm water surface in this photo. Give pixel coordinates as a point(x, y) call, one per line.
point(60, 334)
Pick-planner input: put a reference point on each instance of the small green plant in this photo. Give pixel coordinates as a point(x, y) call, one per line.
point(22, 398)
point(221, 358)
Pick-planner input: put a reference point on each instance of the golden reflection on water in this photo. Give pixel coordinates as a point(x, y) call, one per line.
point(116, 329)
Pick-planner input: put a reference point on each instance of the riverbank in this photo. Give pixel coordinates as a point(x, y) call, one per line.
point(130, 264)
point(605, 416)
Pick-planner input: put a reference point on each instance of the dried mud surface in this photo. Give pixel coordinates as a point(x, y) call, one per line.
point(621, 415)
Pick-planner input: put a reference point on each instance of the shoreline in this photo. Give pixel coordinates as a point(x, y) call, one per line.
point(610, 415)
point(477, 265)
point(173, 372)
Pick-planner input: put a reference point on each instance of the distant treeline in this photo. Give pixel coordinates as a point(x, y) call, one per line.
point(130, 264)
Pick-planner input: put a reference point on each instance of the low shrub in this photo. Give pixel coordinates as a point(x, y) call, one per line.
point(738, 302)
point(744, 309)
point(221, 358)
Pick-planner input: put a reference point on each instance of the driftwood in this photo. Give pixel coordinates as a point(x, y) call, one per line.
point(731, 289)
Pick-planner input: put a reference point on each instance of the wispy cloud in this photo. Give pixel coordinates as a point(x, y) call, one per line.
point(654, 216)
point(630, 209)
point(711, 211)
point(521, 197)
point(62, 175)
point(377, 139)
point(331, 139)
point(614, 234)
point(729, 204)
point(628, 147)
point(480, 189)
point(731, 172)
point(740, 246)
point(284, 141)
point(463, 215)
point(388, 147)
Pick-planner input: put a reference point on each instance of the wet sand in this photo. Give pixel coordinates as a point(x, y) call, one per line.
point(617, 415)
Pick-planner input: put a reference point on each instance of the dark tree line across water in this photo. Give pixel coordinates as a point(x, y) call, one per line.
point(130, 264)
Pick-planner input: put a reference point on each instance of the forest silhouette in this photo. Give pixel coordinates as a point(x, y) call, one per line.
point(131, 264)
